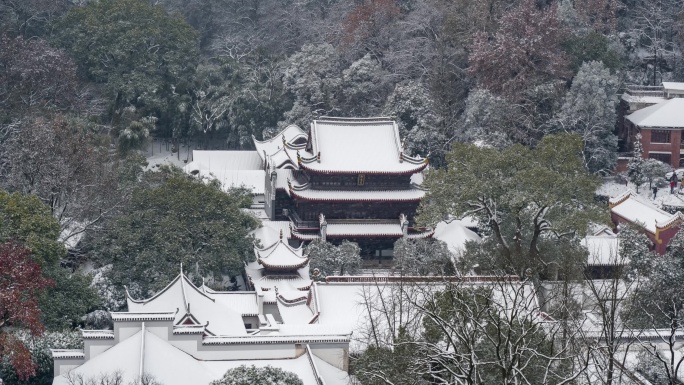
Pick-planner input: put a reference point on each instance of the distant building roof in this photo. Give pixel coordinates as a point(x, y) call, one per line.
point(231, 168)
point(673, 86)
point(281, 256)
point(604, 250)
point(455, 234)
point(667, 114)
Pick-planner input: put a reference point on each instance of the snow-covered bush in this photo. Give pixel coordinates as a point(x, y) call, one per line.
point(251, 375)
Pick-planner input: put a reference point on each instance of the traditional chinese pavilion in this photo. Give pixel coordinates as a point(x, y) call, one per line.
point(658, 225)
point(347, 178)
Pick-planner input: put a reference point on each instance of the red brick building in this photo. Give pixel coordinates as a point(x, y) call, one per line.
point(661, 128)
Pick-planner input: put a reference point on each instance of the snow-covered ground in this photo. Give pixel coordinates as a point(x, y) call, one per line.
point(663, 197)
point(159, 153)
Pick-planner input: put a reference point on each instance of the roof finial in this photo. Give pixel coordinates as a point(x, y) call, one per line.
point(181, 268)
point(281, 234)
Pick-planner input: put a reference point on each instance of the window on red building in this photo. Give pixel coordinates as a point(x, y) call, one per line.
point(665, 158)
point(660, 136)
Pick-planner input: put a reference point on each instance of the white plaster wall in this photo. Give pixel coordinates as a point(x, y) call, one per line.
point(93, 348)
point(64, 365)
point(123, 330)
point(246, 352)
point(161, 331)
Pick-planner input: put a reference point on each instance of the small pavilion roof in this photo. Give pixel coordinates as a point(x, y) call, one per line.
point(360, 146)
point(455, 234)
point(270, 231)
point(281, 256)
point(667, 114)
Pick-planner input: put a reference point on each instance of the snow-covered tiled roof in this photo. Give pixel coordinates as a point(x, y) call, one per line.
point(231, 168)
point(352, 145)
point(643, 99)
point(455, 234)
point(281, 158)
point(277, 338)
point(635, 210)
point(182, 296)
point(281, 256)
point(145, 352)
point(67, 353)
point(674, 86)
point(253, 180)
point(224, 160)
point(290, 285)
point(299, 313)
point(270, 231)
point(603, 250)
point(97, 334)
point(667, 114)
point(270, 146)
point(143, 316)
point(243, 302)
point(307, 194)
point(189, 329)
point(284, 175)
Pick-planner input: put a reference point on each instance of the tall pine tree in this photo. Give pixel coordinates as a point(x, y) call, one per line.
point(635, 168)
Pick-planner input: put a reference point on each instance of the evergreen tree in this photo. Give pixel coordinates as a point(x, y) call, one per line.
point(589, 111)
point(251, 375)
point(334, 260)
point(652, 169)
point(422, 257)
point(174, 219)
point(535, 203)
point(635, 168)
